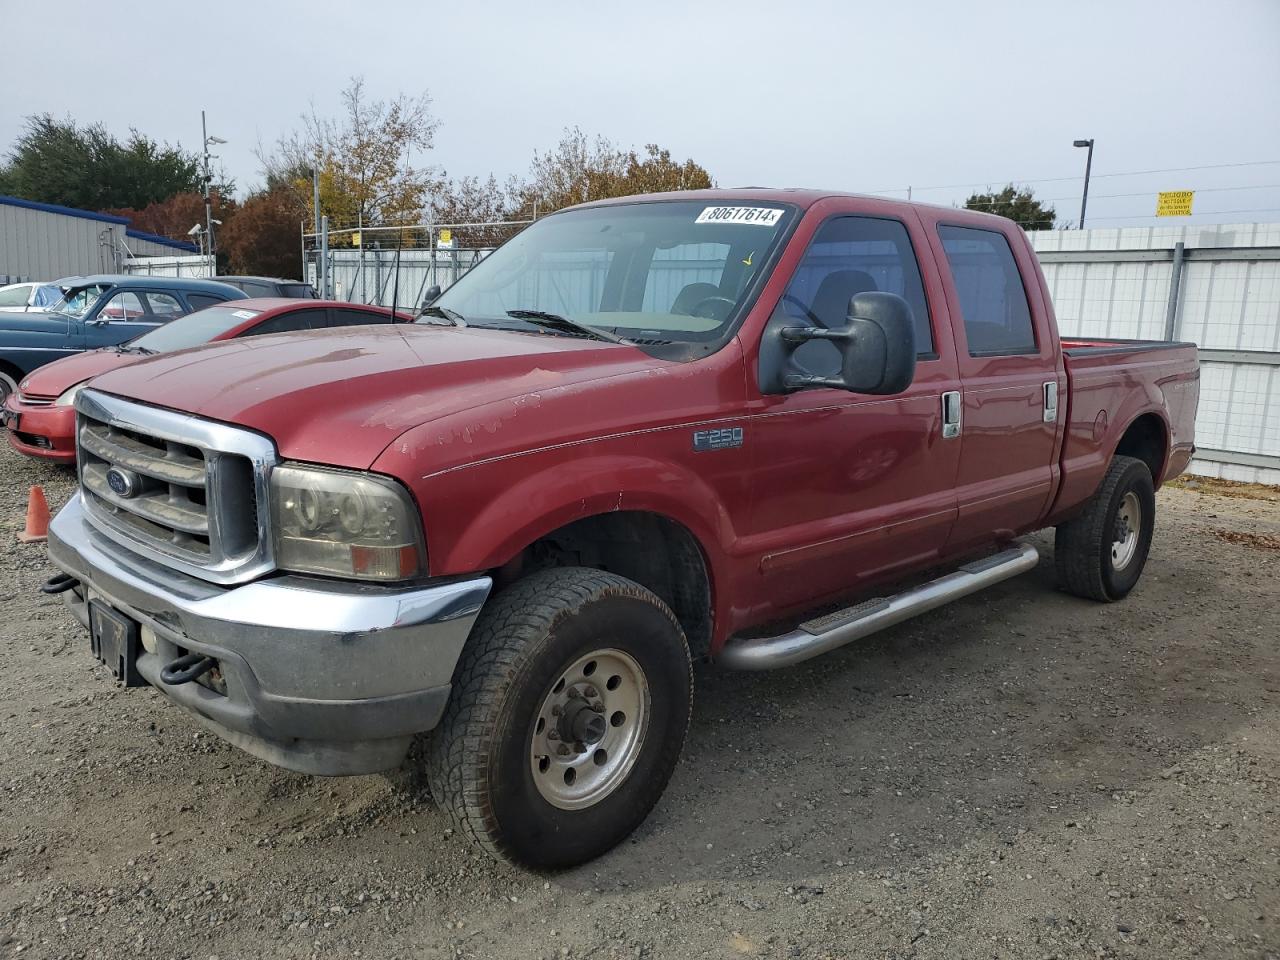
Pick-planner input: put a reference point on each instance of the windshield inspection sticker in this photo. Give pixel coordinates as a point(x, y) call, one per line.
point(243, 314)
point(759, 216)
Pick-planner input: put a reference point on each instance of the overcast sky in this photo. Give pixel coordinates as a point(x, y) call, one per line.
point(868, 97)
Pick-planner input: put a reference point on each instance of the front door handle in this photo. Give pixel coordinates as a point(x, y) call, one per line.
point(1051, 401)
point(951, 414)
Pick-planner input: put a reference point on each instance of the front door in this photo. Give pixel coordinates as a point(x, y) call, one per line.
point(851, 488)
point(126, 314)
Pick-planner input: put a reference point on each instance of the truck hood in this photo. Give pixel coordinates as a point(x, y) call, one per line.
point(341, 397)
point(53, 378)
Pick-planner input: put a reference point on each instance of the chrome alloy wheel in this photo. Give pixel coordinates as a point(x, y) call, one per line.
point(1124, 542)
point(590, 729)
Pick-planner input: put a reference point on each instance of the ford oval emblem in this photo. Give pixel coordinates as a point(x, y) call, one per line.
point(121, 482)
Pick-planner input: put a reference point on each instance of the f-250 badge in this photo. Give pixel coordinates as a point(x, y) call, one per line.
point(719, 439)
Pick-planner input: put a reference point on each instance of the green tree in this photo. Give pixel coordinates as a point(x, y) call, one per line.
point(58, 161)
point(1019, 205)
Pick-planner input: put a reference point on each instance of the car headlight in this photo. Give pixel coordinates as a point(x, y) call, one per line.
point(68, 396)
point(344, 524)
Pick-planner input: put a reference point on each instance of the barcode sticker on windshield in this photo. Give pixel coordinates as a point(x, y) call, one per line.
point(759, 216)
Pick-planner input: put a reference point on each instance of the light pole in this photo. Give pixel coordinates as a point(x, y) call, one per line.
point(1088, 164)
point(208, 202)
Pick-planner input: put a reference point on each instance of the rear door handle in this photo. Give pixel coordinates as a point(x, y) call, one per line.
point(951, 414)
point(1051, 401)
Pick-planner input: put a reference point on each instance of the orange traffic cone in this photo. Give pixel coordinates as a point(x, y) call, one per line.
point(37, 518)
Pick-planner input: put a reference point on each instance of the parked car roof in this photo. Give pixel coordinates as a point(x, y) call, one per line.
point(145, 281)
point(296, 289)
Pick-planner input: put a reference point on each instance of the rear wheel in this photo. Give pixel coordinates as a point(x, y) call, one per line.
point(1100, 554)
point(569, 710)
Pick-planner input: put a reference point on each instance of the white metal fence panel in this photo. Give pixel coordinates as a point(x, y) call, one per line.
point(192, 266)
point(1119, 283)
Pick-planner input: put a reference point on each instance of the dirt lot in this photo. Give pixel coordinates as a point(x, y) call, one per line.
point(1023, 774)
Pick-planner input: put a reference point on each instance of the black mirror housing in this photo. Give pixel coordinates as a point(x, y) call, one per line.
point(877, 347)
point(430, 296)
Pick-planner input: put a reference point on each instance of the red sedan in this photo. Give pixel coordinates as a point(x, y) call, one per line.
point(40, 417)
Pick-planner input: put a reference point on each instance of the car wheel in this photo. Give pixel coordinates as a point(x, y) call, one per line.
point(1100, 554)
point(7, 386)
point(570, 705)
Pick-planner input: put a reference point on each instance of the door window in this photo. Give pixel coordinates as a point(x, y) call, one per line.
point(14, 297)
point(349, 318)
point(199, 301)
point(848, 256)
point(993, 301)
point(164, 306)
point(123, 306)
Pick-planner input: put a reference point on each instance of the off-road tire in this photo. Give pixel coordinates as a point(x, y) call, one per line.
point(478, 759)
point(1082, 545)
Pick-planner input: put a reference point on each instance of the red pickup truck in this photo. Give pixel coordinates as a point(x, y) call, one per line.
point(685, 423)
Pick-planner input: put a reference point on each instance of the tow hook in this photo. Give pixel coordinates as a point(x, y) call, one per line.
point(185, 669)
point(59, 583)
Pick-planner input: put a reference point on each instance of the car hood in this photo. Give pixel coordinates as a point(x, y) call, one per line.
point(342, 396)
point(53, 378)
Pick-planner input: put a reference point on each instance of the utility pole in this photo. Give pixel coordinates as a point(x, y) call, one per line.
point(208, 201)
point(1088, 165)
point(315, 208)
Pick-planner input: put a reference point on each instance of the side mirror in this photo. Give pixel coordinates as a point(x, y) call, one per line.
point(877, 348)
point(98, 321)
point(430, 297)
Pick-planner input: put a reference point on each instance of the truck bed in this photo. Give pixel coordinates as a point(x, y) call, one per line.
point(1110, 384)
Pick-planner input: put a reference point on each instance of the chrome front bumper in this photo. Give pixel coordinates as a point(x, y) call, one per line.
point(321, 676)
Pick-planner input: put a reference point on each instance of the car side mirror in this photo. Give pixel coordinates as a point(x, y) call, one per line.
point(877, 348)
point(430, 297)
point(98, 321)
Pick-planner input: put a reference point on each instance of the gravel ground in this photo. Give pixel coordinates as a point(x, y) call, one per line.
point(1023, 774)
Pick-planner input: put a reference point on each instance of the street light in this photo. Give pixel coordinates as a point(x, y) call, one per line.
point(1088, 164)
point(208, 202)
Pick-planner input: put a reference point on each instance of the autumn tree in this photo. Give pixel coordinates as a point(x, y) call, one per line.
point(175, 216)
point(476, 200)
point(1019, 205)
point(263, 237)
point(580, 168)
point(59, 161)
point(364, 158)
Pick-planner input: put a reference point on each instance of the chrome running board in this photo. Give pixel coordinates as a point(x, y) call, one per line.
point(819, 636)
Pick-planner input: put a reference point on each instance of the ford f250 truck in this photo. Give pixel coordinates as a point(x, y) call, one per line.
point(701, 422)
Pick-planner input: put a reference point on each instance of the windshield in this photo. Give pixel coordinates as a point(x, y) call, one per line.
point(193, 329)
point(657, 272)
point(79, 301)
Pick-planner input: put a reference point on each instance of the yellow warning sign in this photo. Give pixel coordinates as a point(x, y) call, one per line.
point(1174, 203)
point(355, 239)
point(445, 239)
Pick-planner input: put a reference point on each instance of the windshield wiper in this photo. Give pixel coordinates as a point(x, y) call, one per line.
point(453, 316)
point(556, 322)
point(128, 348)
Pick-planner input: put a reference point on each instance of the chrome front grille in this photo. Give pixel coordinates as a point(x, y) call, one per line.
point(187, 492)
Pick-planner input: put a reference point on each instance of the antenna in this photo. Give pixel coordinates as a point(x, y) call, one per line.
point(395, 285)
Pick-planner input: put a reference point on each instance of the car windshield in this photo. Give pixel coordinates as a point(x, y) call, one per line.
point(656, 272)
point(193, 329)
point(77, 302)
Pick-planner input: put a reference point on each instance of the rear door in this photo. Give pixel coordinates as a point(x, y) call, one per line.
point(850, 488)
point(1010, 370)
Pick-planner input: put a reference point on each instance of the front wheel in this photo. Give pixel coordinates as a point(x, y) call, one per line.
point(569, 710)
point(1101, 552)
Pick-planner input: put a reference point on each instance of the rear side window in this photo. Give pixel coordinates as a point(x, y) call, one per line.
point(993, 301)
point(199, 301)
point(293, 320)
point(851, 255)
point(14, 297)
point(164, 306)
point(351, 318)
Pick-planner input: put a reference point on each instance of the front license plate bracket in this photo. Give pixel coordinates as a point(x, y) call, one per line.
point(113, 638)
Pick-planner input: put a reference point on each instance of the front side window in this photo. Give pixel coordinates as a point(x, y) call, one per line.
point(78, 302)
point(993, 301)
point(848, 256)
point(14, 297)
point(164, 306)
point(672, 272)
point(124, 306)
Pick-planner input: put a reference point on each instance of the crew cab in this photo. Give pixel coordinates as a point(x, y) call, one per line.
point(98, 311)
point(747, 426)
point(40, 418)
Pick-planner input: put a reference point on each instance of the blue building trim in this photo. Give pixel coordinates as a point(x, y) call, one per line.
point(163, 241)
point(65, 211)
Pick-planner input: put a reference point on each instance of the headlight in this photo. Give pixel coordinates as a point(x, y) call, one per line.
point(344, 524)
point(68, 396)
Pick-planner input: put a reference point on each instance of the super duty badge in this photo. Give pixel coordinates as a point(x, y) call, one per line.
point(719, 439)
